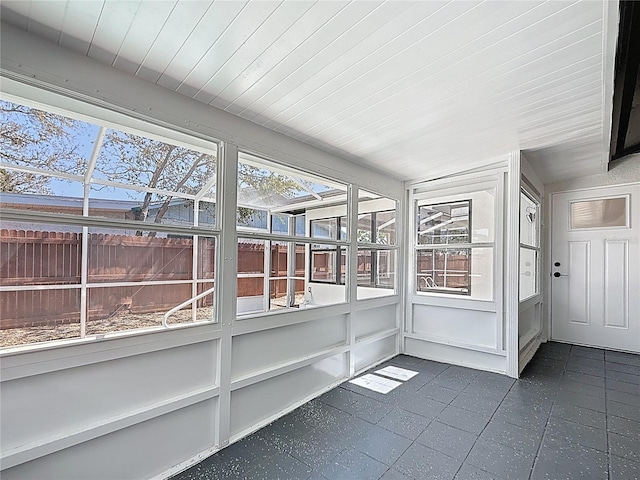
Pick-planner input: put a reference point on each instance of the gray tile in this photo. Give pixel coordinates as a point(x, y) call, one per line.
point(448, 440)
point(501, 460)
point(253, 449)
point(494, 380)
point(316, 452)
point(584, 401)
point(584, 378)
point(339, 398)
point(531, 398)
point(407, 360)
point(522, 416)
point(368, 409)
point(587, 352)
point(473, 403)
point(623, 368)
point(547, 352)
point(580, 415)
point(404, 423)
point(556, 346)
point(365, 391)
point(421, 462)
point(631, 412)
point(576, 433)
point(488, 391)
point(513, 436)
point(591, 362)
point(624, 377)
point(588, 369)
point(429, 366)
point(557, 363)
point(623, 386)
point(560, 459)
point(574, 386)
point(623, 426)
point(216, 467)
point(382, 445)
point(285, 433)
point(422, 406)
point(623, 397)
point(353, 465)
point(393, 474)
point(317, 414)
point(470, 472)
point(280, 466)
point(624, 469)
point(622, 446)
point(534, 370)
point(562, 356)
point(463, 419)
point(438, 393)
point(623, 358)
point(452, 382)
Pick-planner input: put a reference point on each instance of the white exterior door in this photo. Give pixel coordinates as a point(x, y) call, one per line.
point(595, 267)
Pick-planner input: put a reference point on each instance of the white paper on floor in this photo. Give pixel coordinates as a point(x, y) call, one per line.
point(397, 373)
point(376, 383)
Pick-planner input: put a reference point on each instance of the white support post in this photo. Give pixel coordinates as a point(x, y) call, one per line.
point(194, 261)
point(511, 268)
point(291, 263)
point(226, 279)
point(84, 253)
point(352, 270)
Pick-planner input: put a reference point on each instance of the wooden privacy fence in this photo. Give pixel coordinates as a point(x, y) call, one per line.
point(50, 260)
point(456, 266)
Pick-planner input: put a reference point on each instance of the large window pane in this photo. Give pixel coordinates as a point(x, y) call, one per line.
point(33, 316)
point(251, 274)
point(385, 225)
point(43, 140)
point(323, 265)
point(136, 160)
point(325, 228)
point(149, 273)
point(376, 219)
point(283, 192)
point(59, 196)
point(444, 271)
point(528, 273)
point(47, 258)
point(150, 256)
point(445, 223)
point(529, 220)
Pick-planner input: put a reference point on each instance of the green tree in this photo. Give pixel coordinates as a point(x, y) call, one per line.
point(33, 138)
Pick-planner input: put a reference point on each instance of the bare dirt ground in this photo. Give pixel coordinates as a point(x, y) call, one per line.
point(116, 323)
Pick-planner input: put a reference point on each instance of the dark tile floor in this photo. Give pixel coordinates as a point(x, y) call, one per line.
point(574, 414)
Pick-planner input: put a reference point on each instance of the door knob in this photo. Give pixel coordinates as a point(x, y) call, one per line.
point(558, 274)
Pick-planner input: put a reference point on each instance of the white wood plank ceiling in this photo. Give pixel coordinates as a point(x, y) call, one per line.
point(415, 89)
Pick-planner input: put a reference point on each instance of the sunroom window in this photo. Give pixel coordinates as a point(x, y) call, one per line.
point(288, 258)
point(377, 245)
point(454, 244)
point(103, 229)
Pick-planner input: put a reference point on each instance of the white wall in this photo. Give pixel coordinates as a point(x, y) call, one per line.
point(469, 331)
point(530, 310)
point(148, 405)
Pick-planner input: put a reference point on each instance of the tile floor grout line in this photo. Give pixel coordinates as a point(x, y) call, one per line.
point(546, 423)
point(483, 429)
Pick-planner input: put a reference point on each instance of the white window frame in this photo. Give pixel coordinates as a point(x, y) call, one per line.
point(106, 119)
